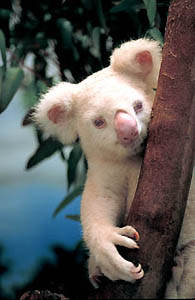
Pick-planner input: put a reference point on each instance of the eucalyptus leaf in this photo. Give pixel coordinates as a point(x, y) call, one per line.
point(151, 11)
point(88, 4)
point(74, 217)
point(156, 34)
point(45, 150)
point(127, 6)
point(65, 30)
point(3, 49)
point(62, 155)
point(2, 72)
point(69, 198)
point(11, 83)
point(5, 13)
point(96, 42)
point(39, 135)
point(98, 4)
point(73, 160)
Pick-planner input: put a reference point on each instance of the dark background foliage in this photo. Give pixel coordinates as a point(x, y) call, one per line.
point(77, 37)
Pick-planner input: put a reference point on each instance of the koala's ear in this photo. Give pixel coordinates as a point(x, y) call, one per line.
point(141, 57)
point(55, 115)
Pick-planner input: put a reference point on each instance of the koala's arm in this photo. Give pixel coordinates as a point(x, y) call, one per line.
point(102, 209)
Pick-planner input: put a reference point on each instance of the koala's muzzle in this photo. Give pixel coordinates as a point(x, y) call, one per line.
point(126, 128)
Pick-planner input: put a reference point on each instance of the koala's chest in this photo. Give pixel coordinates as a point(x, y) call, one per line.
point(118, 180)
point(123, 182)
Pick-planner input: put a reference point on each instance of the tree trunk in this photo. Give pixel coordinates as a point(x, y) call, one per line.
point(159, 204)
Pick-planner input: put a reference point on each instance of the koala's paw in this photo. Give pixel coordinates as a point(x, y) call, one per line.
point(105, 259)
point(94, 274)
point(177, 271)
point(181, 285)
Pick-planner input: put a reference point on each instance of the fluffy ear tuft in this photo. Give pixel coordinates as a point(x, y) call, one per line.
point(144, 60)
point(54, 114)
point(57, 114)
point(141, 57)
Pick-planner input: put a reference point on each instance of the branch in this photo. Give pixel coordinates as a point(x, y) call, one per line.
point(159, 204)
point(42, 295)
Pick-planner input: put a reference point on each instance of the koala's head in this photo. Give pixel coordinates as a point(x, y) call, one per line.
point(110, 110)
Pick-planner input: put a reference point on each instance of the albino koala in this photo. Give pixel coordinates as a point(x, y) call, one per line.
point(109, 112)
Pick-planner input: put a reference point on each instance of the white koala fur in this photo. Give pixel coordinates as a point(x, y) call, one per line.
point(109, 111)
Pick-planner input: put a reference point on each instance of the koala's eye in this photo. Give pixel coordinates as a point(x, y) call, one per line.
point(138, 106)
point(99, 123)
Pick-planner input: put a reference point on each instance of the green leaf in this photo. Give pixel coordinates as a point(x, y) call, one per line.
point(73, 160)
point(30, 94)
point(3, 49)
point(96, 42)
point(127, 6)
point(41, 87)
point(88, 4)
point(65, 30)
point(66, 33)
point(156, 34)
point(62, 155)
point(45, 150)
point(98, 4)
point(74, 217)
point(11, 82)
point(2, 72)
point(151, 11)
point(69, 198)
point(5, 13)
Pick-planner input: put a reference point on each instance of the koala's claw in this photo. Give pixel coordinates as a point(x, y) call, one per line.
point(95, 280)
point(136, 236)
point(96, 274)
point(107, 261)
point(137, 272)
point(126, 236)
point(129, 231)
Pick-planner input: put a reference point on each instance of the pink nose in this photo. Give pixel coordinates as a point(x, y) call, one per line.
point(126, 128)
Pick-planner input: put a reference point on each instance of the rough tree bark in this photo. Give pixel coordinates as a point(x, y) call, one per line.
point(159, 204)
